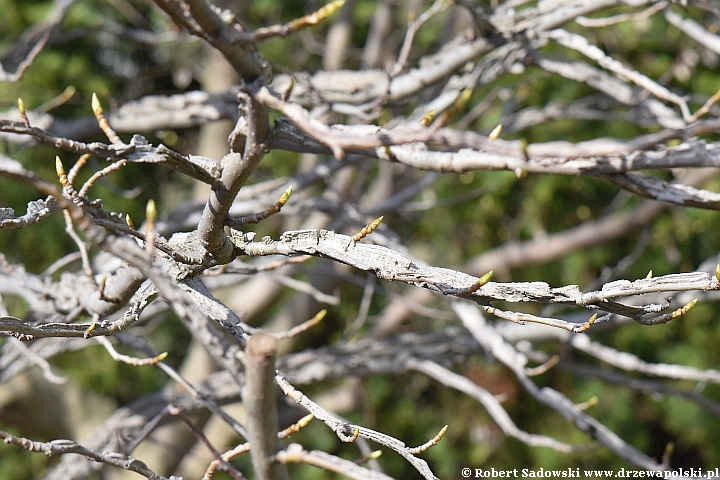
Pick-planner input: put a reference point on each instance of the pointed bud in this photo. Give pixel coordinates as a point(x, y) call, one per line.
point(59, 168)
point(484, 279)
point(21, 107)
point(495, 133)
point(428, 117)
point(332, 7)
point(669, 449)
point(285, 196)
point(150, 211)
point(305, 420)
point(96, 107)
point(462, 99)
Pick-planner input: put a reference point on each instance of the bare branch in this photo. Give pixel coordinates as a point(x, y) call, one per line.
point(296, 454)
point(580, 44)
point(624, 17)
point(628, 361)
point(390, 265)
point(62, 447)
point(693, 30)
point(506, 354)
point(138, 150)
point(204, 20)
point(348, 433)
point(33, 40)
point(240, 36)
point(261, 408)
point(491, 404)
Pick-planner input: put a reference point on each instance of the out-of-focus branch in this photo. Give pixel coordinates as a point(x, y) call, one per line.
point(491, 404)
point(261, 406)
point(363, 357)
point(657, 189)
point(629, 362)
point(623, 17)
point(693, 30)
point(38, 360)
point(205, 21)
point(648, 387)
point(581, 44)
point(510, 357)
point(241, 36)
point(32, 41)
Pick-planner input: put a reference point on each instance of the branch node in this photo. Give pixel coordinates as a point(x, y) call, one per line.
point(350, 438)
point(365, 231)
point(89, 330)
point(586, 326)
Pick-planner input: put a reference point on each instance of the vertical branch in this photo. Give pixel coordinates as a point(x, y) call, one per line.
point(261, 408)
point(236, 170)
point(202, 19)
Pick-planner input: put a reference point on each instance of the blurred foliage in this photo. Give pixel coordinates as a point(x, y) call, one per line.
point(503, 208)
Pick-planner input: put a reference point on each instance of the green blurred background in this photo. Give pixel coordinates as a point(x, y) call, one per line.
point(91, 59)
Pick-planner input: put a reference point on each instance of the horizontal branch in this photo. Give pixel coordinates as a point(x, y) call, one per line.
point(390, 265)
point(36, 210)
point(296, 454)
point(62, 447)
point(138, 150)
